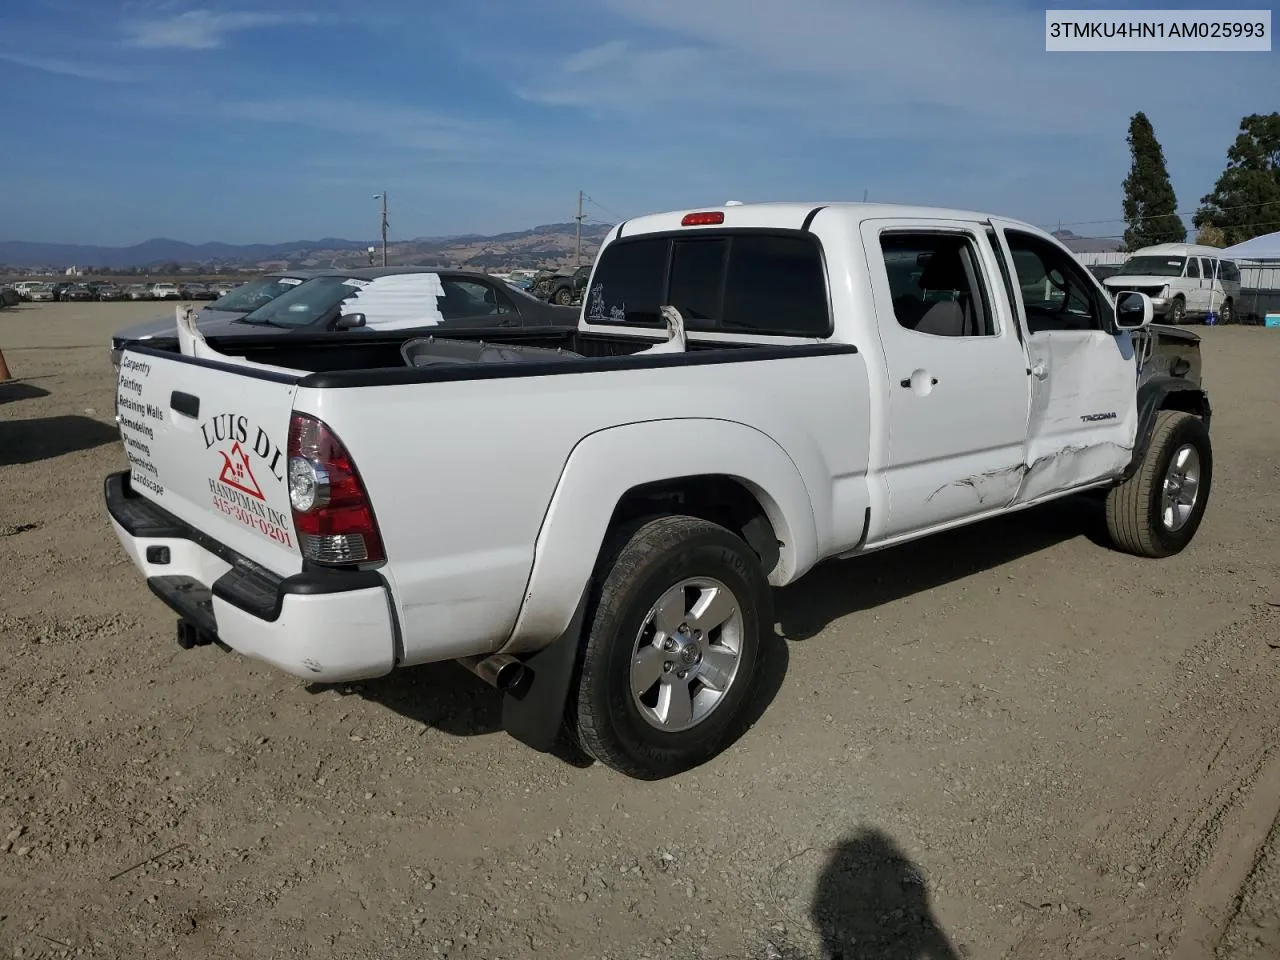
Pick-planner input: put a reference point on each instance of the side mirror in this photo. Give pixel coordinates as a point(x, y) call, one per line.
point(1133, 310)
point(349, 321)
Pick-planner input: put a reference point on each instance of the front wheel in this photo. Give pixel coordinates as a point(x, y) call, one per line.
point(1177, 311)
point(1226, 313)
point(1157, 511)
point(672, 649)
point(563, 297)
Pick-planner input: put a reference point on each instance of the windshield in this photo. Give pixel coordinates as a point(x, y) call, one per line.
point(306, 303)
point(251, 295)
point(1153, 267)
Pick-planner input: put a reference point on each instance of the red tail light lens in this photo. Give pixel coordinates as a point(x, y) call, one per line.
point(331, 510)
point(710, 218)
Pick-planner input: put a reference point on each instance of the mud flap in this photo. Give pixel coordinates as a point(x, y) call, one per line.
point(533, 711)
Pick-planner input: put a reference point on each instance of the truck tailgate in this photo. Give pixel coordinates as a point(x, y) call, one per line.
point(209, 444)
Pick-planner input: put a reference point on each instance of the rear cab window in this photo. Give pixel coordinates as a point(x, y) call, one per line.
point(769, 282)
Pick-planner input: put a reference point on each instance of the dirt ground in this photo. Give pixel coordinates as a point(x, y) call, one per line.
point(1005, 742)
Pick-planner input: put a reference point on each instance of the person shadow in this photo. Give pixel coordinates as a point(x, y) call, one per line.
point(871, 903)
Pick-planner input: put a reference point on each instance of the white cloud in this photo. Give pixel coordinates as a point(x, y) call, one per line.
point(69, 68)
point(207, 29)
point(911, 68)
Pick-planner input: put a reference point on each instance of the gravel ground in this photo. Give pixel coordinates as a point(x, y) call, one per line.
point(1008, 741)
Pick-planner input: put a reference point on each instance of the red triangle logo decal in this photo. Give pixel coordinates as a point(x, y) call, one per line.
point(237, 473)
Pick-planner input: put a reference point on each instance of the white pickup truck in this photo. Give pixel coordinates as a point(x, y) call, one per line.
point(591, 519)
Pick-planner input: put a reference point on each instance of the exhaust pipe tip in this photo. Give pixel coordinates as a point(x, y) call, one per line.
point(500, 670)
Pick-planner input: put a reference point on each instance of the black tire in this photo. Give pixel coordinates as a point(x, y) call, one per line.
point(1226, 314)
point(636, 570)
point(1177, 311)
point(562, 297)
point(1134, 508)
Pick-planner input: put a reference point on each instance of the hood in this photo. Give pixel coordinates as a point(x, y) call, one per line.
point(1136, 280)
point(168, 325)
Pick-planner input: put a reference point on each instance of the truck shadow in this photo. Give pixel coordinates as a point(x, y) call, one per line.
point(30, 441)
point(838, 588)
point(448, 698)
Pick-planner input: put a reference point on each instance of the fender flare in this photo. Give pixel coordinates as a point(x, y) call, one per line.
point(605, 465)
point(1154, 396)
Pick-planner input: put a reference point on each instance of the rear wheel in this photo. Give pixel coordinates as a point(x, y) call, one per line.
point(1157, 511)
point(562, 297)
point(1226, 313)
point(672, 648)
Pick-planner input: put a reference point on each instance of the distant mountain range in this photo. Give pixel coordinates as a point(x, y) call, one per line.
point(550, 241)
point(548, 245)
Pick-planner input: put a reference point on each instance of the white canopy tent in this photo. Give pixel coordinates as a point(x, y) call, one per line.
point(1265, 247)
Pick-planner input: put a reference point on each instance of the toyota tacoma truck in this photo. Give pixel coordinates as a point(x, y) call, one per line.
point(592, 519)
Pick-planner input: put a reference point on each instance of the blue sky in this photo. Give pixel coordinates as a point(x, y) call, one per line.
point(278, 120)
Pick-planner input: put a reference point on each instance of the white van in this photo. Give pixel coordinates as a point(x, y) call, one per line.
point(1183, 280)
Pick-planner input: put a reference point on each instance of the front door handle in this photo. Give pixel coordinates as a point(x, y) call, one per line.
point(906, 382)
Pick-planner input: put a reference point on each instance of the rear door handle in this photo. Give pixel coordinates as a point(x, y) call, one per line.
point(185, 404)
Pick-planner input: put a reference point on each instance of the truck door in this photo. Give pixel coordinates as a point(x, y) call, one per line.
point(956, 374)
point(1084, 411)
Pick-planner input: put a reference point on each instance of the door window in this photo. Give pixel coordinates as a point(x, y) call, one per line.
point(471, 298)
point(936, 283)
point(1056, 291)
point(1193, 268)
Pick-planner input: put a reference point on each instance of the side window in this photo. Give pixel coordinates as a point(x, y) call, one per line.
point(776, 285)
point(1055, 290)
point(935, 280)
point(629, 283)
point(1229, 271)
point(469, 298)
point(1193, 268)
point(1210, 268)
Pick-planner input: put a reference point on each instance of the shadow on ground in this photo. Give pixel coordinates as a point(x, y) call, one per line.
point(839, 588)
point(872, 903)
point(30, 441)
point(453, 700)
point(450, 699)
point(20, 390)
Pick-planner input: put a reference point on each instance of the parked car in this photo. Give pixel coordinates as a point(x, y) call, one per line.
point(139, 291)
point(77, 292)
point(197, 291)
point(9, 297)
point(42, 293)
point(591, 519)
point(166, 291)
point(561, 288)
point(230, 306)
point(414, 297)
point(1183, 280)
point(110, 291)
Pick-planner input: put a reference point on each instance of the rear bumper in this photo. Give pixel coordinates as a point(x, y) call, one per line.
point(324, 626)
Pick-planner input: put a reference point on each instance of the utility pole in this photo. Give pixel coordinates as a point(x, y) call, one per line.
point(383, 197)
point(578, 254)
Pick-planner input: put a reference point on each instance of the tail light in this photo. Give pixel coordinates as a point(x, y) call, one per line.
point(331, 510)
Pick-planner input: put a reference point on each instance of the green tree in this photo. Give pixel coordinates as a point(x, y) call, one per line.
point(1245, 201)
point(1150, 205)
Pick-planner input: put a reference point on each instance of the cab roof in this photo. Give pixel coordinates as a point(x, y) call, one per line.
point(794, 215)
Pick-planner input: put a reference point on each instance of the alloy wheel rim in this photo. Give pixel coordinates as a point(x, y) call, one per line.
point(686, 654)
point(1181, 489)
